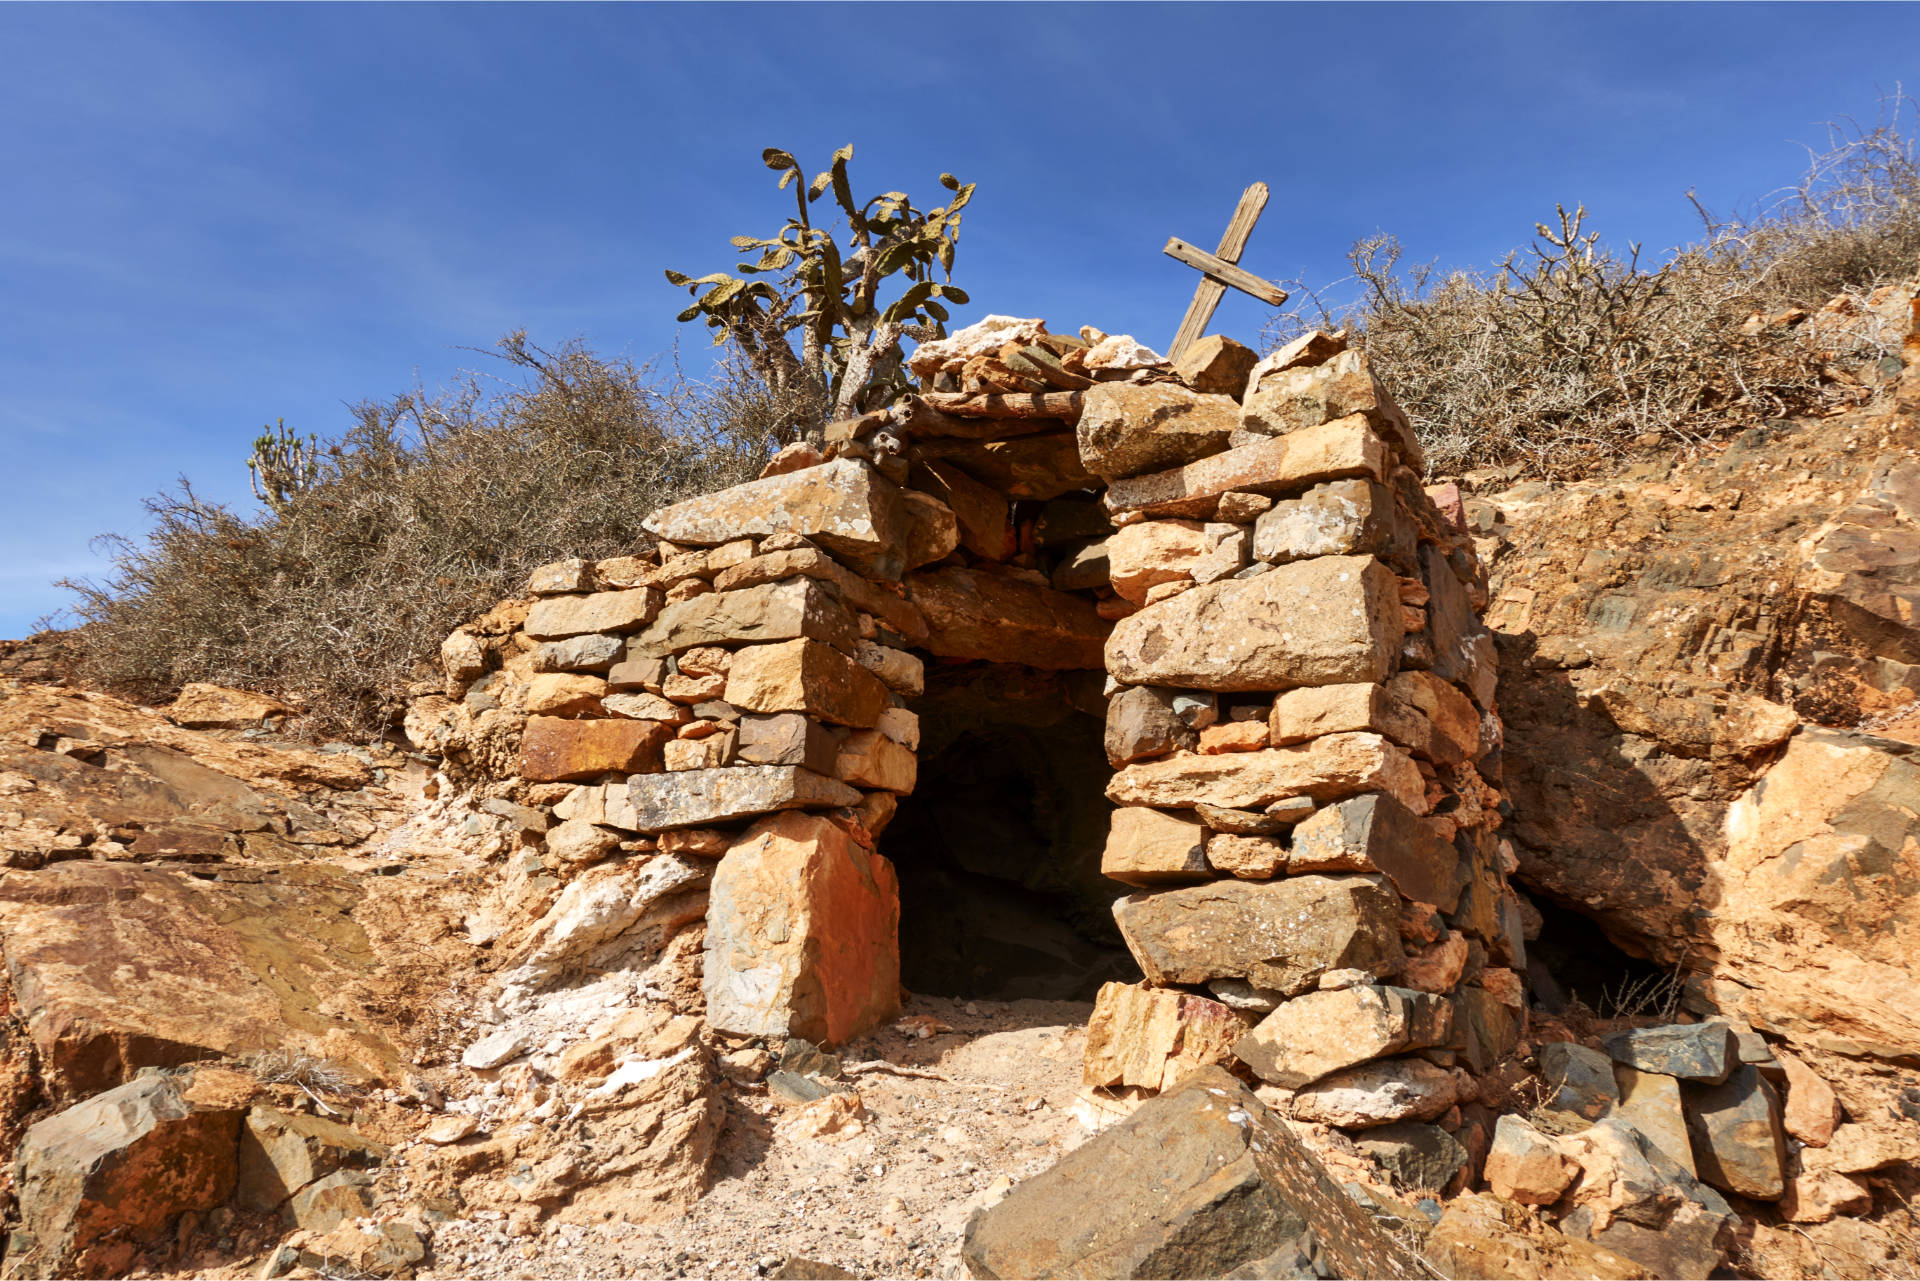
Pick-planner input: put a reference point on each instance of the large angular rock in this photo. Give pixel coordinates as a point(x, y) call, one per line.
point(1129, 428)
point(1338, 518)
point(1281, 935)
point(1415, 1156)
point(1327, 769)
point(1197, 1183)
point(1151, 1037)
point(1152, 552)
point(106, 1177)
point(1455, 721)
point(802, 934)
point(1281, 401)
point(1300, 715)
point(694, 797)
point(1382, 1092)
point(805, 676)
point(1216, 364)
point(1377, 833)
point(846, 506)
point(933, 529)
point(1650, 1102)
point(593, 652)
point(1463, 650)
point(971, 614)
point(1142, 721)
point(1319, 1033)
point(869, 758)
point(1317, 622)
point(282, 1152)
point(1739, 1144)
point(556, 749)
point(213, 959)
point(1154, 847)
point(203, 706)
point(1483, 1235)
point(1525, 1165)
point(1700, 1052)
point(982, 515)
point(798, 607)
point(852, 590)
point(787, 738)
point(553, 617)
point(1580, 1085)
point(1634, 1200)
point(1285, 464)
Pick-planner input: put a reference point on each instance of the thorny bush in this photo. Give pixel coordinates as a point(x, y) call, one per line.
point(425, 512)
point(1569, 354)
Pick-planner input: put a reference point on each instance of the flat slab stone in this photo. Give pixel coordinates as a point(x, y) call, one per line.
point(691, 798)
point(1739, 1144)
point(555, 749)
point(1283, 464)
point(1282, 935)
point(1327, 769)
point(1327, 621)
point(971, 614)
point(1377, 833)
point(846, 506)
point(1318, 1033)
point(1151, 847)
point(553, 617)
point(1200, 1181)
point(1282, 400)
point(802, 675)
point(768, 612)
point(1701, 1052)
point(1129, 428)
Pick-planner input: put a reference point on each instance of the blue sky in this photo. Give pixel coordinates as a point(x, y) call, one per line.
point(220, 215)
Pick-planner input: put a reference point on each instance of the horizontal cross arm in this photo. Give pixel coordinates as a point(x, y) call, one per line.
point(1225, 272)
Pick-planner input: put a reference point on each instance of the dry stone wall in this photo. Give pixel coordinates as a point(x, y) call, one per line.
point(1299, 699)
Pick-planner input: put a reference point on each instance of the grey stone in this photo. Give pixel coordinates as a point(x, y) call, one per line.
point(1199, 1181)
point(1141, 723)
point(594, 652)
point(1384, 834)
point(1580, 1082)
point(1238, 994)
point(282, 1152)
point(691, 798)
point(1280, 934)
point(1702, 1052)
point(787, 738)
point(328, 1202)
point(1339, 518)
point(846, 506)
point(769, 612)
point(1414, 1155)
point(1739, 1142)
point(1485, 1029)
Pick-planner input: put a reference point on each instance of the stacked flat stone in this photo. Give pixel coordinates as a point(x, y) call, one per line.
point(1306, 748)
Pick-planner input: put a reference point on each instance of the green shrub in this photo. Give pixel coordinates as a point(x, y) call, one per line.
point(426, 511)
point(1568, 354)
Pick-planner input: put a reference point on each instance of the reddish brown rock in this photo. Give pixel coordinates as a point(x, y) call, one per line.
point(1318, 622)
point(972, 614)
point(802, 934)
point(201, 706)
point(985, 520)
point(553, 750)
point(869, 758)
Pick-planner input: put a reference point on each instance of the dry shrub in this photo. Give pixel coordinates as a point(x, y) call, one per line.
point(1568, 353)
point(425, 512)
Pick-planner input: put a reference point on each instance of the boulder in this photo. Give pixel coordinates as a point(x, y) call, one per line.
point(104, 1178)
point(1284, 464)
point(1216, 364)
point(1376, 833)
point(1739, 1144)
point(282, 1152)
point(1318, 622)
point(846, 506)
point(1415, 1156)
point(1150, 1038)
point(1327, 769)
point(795, 607)
point(553, 617)
point(1280, 401)
point(1382, 1092)
point(802, 934)
point(1197, 1182)
point(1700, 1052)
point(694, 798)
point(1151, 552)
point(804, 675)
point(1129, 428)
point(1281, 934)
point(1525, 1165)
point(1319, 1033)
point(1143, 722)
point(973, 614)
point(1633, 1199)
point(554, 749)
point(202, 706)
point(1152, 847)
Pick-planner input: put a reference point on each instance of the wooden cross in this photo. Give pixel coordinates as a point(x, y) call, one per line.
point(1221, 271)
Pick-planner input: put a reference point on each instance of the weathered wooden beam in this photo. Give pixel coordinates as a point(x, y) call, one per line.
point(916, 419)
point(1211, 291)
point(1225, 272)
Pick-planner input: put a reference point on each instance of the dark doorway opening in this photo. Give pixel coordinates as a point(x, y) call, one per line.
point(998, 847)
point(1574, 960)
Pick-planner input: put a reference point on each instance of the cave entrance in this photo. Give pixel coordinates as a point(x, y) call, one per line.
point(998, 846)
point(1573, 960)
